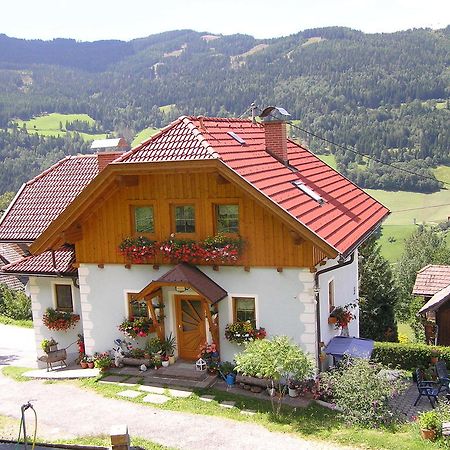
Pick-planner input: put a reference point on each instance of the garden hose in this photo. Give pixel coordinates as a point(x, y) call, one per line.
point(23, 408)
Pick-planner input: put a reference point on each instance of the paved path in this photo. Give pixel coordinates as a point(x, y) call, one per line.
point(17, 346)
point(66, 411)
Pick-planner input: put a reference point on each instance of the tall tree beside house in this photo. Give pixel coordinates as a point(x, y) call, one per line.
point(378, 295)
point(424, 246)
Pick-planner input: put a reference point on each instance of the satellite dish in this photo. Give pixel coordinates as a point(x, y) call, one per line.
point(270, 109)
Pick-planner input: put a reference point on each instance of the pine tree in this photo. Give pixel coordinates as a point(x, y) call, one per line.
point(378, 295)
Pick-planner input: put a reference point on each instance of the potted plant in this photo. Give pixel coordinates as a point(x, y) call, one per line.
point(49, 345)
point(84, 362)
point(434, 356)
point(157, 362)
point(165, 361)
point(102, 361)
point(228, 372)
point(293, 387)
point(429, 424)
point(136, 327)
point(343, 317)
point(168, 346)
point(90, 362)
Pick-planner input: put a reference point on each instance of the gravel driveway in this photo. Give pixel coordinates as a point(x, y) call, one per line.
point(66, 411)
point(17, 346)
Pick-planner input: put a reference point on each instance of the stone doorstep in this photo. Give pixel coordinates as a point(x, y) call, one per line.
point(207, 398)
point(248, 412)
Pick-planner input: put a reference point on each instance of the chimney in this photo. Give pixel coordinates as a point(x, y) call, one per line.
point(276, 139)
point(104, 158)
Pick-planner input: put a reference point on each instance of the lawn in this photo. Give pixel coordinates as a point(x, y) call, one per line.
point(144, 135)
point(167, 108)
point(442, 173)
point(313, 422)
point(18, 323)
point(48, 125)
point(392, 240)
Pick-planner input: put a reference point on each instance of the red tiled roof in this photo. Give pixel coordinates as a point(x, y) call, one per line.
point(10, 252)
point(11, 281)
point(343, 220)
point(431, 279)
point(43, 264)
point(44, 197)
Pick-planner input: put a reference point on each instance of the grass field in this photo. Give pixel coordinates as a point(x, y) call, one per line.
point(48, 125)
point(144, 135)
point(167, 108)
point(329, 159)
point(405, 208)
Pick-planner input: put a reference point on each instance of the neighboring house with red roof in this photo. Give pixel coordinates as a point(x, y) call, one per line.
point(433, 284)
point(299, 223)
point(10, 253)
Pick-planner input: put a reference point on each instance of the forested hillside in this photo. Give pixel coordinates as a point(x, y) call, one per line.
point(386, 95)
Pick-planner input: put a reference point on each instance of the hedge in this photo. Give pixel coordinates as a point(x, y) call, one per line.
point(408, 356)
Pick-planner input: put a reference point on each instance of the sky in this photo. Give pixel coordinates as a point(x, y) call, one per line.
point(128, 19)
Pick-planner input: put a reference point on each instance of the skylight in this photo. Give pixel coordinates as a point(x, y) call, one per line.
point(236, 137)
point(308, 191)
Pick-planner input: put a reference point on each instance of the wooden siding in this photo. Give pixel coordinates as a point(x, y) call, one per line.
point(268, 240)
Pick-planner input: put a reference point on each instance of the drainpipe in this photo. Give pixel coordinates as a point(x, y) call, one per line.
point(317, 298)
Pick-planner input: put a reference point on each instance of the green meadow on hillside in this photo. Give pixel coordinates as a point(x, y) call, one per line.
point(409, 209)
point(49, 125)
point(144, 135)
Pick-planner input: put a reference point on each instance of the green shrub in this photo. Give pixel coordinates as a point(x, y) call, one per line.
point(277, 359)
point(408, 356)
point(429, 420)
point(363, 392)
point(14, 304)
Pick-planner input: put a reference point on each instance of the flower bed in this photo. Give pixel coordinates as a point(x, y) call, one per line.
point(138, 250)
point(136, 327)
point(242, 332)
point(59, 320)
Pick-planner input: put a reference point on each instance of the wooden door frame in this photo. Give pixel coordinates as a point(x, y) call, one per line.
point(177, 299)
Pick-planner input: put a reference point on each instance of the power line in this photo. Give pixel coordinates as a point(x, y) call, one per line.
point(344, 147)
point(421, 207)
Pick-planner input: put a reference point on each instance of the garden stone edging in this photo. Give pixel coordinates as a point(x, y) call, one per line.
point(331, 406)
point(263, 382)
point(135, 361)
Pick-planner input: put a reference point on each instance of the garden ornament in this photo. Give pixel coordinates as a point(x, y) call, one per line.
point(143, 368)
point(118, 356)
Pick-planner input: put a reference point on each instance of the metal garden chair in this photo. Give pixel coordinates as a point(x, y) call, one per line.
point(443, 376)
point(429, 389)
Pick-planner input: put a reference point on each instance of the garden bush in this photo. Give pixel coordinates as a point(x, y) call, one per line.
point(277, 359)
point(14, 304)
point(363, 392)
point(408, 356)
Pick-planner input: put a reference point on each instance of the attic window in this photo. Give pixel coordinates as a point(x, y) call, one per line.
point(236, 137)
point(308, 191)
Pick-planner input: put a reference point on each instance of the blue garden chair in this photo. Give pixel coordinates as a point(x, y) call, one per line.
point(443, 377)
point(429, 389)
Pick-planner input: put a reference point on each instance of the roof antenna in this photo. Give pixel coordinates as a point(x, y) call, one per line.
point(253, 110)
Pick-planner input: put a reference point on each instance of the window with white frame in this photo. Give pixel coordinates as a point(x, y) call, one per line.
point(244, 309)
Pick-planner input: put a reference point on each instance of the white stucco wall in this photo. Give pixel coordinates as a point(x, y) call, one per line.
point(285, 301)
point(42, 293)
point(346, 291)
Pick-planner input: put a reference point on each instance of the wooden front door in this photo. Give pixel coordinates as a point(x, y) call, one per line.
point(191, 327)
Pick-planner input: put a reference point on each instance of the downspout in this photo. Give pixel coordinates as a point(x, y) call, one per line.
point(58, 273)
point(317, 298)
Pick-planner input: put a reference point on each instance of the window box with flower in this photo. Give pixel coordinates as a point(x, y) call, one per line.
point(181, 250)
point(221, 249)
point(243, 332)
point(135, 327)
point(138, 250)
point(59, 320)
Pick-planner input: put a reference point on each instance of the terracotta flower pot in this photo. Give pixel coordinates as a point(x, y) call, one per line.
point(171, 359)
point(332, 320)
point(429, 435)
point(434, 359)
point(84, 365)
point(90, 365)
